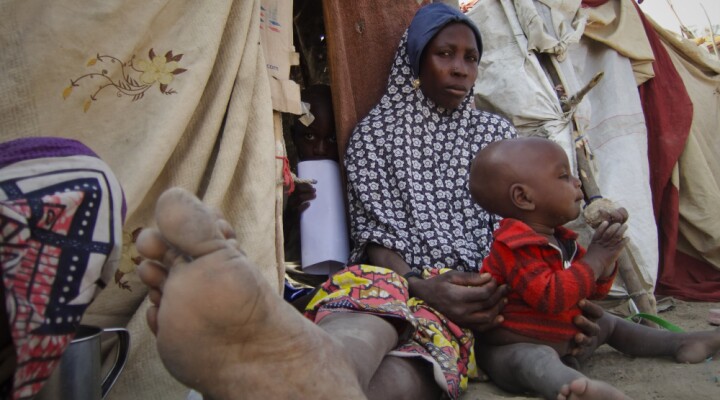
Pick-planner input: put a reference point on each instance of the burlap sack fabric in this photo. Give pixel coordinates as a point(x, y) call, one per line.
point(168, 93)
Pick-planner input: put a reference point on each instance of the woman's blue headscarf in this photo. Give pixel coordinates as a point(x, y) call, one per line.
point(426, 23)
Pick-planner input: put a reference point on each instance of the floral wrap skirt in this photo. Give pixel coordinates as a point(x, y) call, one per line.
point(428, 334)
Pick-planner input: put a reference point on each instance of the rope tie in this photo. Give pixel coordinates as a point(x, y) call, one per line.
point(287, 175)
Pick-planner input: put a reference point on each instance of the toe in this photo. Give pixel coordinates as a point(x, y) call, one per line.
point(226, 229)
point(187, 224)
point(152, 318)
point(150, 244)
point(152, 274)
point(155, 296)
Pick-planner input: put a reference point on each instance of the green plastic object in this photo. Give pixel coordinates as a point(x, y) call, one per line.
point(654, 318)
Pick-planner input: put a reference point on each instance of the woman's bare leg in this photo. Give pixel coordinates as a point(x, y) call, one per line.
point(401, 378)
point(221, 328)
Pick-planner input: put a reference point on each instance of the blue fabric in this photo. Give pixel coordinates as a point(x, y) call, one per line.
point(33, 148)
point(428, 21)
point(41, 147)
point(291, 293)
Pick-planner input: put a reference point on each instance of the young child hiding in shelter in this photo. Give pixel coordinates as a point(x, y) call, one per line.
point(528, 182)
point(314, 138)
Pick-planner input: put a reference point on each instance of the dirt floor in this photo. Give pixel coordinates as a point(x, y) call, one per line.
point(642, 378)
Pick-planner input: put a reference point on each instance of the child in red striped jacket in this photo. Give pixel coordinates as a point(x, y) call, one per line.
point(529, 182)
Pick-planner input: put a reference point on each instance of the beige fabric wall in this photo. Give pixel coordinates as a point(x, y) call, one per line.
point(696, 174)
point(617, 25)
point(199, 117)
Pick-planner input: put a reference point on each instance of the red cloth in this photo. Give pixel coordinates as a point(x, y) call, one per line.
point(544, 292)
point(691, 279)
point(593, 3)
point(668, 113)
point(668, 116)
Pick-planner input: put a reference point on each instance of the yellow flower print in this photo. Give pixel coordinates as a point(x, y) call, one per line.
point(161, 69)
point(129, 259)
point(158, 70)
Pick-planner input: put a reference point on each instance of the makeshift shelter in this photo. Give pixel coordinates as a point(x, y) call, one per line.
point(72, 68)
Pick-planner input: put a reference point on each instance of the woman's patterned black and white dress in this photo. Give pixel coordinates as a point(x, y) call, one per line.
point(408, 164)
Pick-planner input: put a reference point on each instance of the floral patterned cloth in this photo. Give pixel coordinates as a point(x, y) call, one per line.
point(408, 164)
point(61, 210)
point(423, 331)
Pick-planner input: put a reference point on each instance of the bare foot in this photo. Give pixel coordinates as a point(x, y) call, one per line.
point(590, 389)
point(696, 347)
point(221, 329)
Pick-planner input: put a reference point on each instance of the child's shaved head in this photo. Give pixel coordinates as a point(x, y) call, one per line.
point(502, 164)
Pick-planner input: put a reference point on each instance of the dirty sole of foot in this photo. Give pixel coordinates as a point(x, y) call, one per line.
point(714, 316)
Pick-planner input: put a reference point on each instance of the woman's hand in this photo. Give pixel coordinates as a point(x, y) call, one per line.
point(470, 300)
point(586, 340)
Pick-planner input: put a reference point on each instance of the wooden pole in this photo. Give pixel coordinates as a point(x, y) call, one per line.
point(592, 192)
point(627, 273)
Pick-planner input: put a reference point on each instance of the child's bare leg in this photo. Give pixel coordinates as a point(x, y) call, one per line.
point(642, 341)
point(585, 388)
point(222, 329)
point(533, 368)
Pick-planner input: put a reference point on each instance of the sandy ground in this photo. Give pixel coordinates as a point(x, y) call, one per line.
point(644, 378)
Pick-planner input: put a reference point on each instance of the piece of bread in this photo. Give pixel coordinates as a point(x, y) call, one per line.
point(595, 213)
